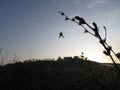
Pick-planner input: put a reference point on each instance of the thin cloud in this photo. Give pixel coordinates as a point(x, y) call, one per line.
point(54, 1)
point(112, 16)
point(94, 3)
point(76, 2)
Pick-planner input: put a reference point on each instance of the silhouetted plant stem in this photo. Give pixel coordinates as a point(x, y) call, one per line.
point(108, 49)
point(113, 52)
point(105, 47)
point(87, 31)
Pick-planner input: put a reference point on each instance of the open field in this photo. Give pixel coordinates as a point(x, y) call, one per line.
point(68, 74)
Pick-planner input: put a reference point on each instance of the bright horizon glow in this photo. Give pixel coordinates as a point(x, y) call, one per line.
point(96, 56)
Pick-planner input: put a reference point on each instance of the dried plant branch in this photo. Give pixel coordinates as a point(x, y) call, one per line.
point(108, 49)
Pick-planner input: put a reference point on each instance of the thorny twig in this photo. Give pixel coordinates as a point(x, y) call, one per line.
point(108, 49)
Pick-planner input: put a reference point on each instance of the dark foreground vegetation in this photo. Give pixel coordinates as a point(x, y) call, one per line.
point(67, 74)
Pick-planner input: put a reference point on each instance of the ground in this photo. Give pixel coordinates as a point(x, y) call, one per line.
point(71, 74)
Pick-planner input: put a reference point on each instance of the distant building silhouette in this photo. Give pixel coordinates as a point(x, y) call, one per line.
point(75, 57)
point(67, 58)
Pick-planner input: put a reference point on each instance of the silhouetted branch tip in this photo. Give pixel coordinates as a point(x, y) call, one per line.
point(104, 27)
point(104, 40)
point(81, 20)
point(73, 19)
point(86, 31)
point(109, 48)
point(106, 53)
point(105, 34)
point(66, 18)
point(94, 24)
point(61, 13)
point(118, 55)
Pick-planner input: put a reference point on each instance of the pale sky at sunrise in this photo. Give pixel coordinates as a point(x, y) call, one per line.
point(29, 28)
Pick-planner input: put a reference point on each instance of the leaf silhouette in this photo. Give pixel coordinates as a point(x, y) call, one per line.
point(66, 18)
point(81, 20)
point(73, 19)
point(61, 13)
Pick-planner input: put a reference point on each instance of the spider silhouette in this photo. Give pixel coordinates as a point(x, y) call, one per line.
point(61, 35)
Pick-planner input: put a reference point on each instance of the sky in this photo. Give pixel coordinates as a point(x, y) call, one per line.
point(29, 28)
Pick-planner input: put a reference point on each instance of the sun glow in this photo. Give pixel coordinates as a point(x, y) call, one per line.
point(96, 56)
